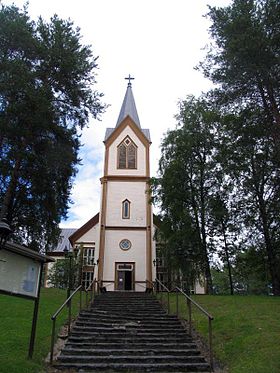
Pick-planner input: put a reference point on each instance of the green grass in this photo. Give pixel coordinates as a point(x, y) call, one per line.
point(246, 330)
point(15, 328)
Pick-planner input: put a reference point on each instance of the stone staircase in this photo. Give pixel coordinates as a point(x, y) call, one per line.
point(129, 332)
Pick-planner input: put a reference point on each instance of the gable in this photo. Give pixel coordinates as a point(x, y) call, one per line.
point(84, 229)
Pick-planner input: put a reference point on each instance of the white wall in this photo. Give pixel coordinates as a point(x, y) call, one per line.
point(141, 155)
point(135, 192)
point(113, 254)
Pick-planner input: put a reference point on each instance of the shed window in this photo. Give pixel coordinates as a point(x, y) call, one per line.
point(127, 152)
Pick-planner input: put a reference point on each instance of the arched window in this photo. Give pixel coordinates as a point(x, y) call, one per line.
point(126, 209)
point(127, 152)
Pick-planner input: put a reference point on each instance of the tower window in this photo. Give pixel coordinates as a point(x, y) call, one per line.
point(126, 209)
point(127, 152)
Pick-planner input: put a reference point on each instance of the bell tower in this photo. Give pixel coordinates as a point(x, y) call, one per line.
point(126, 247)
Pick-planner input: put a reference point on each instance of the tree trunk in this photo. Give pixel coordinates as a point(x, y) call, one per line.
point(10, 193)
point(273, 261)
point(227, 257)
point(203, 234)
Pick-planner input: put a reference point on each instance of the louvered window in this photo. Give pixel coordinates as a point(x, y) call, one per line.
point(127, 153)
point(122, 156)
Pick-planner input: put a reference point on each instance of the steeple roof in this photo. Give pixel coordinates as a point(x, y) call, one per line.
point(128, 108)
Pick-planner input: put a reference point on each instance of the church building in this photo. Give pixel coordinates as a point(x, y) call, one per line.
point(117, 243)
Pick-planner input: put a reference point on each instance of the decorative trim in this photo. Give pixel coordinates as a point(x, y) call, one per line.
point(84, 229)
point(124, 178)
point(121, 228)
point(102, 232)
point(126, 122)
point(149, 269)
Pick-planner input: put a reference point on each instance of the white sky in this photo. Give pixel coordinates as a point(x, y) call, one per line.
point(156, 41)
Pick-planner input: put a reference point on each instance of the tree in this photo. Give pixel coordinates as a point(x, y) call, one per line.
point(186, 177)
point(244, 58)
point(46, 98)
point(244, 63)
point(59, 274)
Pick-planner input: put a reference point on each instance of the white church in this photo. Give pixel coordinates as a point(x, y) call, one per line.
point(117, 245)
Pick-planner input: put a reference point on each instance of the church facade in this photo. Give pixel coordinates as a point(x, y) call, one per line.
point(117, 243)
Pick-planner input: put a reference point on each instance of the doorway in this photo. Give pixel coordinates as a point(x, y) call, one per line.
point(124, 278)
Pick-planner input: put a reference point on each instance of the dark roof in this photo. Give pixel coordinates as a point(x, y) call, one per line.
point(24, 251)
point(128, 108)
point(145, 131)
point(64, 240)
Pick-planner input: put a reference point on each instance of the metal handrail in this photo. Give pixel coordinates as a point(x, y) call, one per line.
point(190, 301)
point(68, 302)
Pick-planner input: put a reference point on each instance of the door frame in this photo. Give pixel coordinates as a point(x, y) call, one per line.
point(132, 277)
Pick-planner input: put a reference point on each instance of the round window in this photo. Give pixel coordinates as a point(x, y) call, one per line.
point(125, 244)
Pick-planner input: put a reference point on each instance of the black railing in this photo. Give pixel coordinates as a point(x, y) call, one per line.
point(92, 288)
point(160, 288)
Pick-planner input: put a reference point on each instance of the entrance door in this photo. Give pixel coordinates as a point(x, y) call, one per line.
point(124, 276)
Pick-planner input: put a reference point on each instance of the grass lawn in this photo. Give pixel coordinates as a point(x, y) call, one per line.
point(246, 331)
point(15, 328)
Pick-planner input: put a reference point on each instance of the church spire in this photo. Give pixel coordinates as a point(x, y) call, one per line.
point(128, 105)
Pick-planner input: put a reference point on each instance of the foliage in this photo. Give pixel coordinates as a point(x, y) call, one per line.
point(46, 98)
point(60, 273)
point(186, 179)
point(243, 61)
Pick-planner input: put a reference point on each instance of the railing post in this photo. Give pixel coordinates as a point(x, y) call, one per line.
point(80, 299)
point(190, 316)
point(168, 302)
point(52, 341)
point(69, 315)
point(210, 343)
point(86, 298)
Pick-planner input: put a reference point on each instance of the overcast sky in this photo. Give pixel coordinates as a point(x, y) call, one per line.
point(158, 42)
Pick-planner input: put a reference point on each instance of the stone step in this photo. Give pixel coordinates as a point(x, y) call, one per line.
point(147, 351)
point(137, 367)
point(135, 316)
point(136, 345)
point(126, 340)
point(128, 324)
point(130, 359)
point(130, 334)
point(120, 329)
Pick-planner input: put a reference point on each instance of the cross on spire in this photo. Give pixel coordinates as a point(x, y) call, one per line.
point(129, 78)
